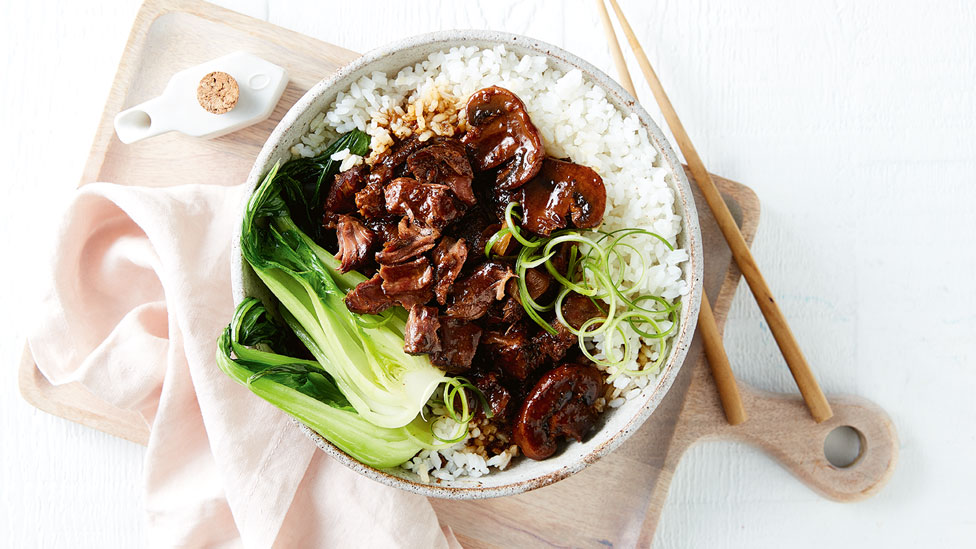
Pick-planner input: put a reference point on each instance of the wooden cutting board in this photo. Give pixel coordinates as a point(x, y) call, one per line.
point(617, 501)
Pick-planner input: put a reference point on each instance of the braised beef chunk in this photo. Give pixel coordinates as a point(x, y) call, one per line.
point(355, 243)
point(407, 229)
point(555, 346)
point(407, 278)
point(426, 204)
point(403, 249)
point(471, 228)
point(502, 136)
point(509, 349)
point(420, 334)
point(368, 297)
point(449, 257)
point(386, 166)
point(444, 163)
point(370, 201)
point(459, 343)
point(342, 194)
point(563, 190)
point(495, 393)
point(473, 294)
point(512, 310)
point(385, 228)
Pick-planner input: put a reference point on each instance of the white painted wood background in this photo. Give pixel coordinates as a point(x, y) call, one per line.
point(854, 121)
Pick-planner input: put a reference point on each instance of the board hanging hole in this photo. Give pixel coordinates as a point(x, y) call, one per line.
point(844, 446)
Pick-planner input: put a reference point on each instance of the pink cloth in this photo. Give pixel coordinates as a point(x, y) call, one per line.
point(140, 292)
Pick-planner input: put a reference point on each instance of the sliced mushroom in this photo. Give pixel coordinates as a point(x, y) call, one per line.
point(502, 136)
point(563, 191)
point(560, 404)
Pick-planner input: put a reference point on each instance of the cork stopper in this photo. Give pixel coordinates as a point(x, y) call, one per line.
point(218, 92)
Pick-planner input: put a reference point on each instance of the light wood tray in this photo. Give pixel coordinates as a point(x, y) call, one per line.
point(615, 502)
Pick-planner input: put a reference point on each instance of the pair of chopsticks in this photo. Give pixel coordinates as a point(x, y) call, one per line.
point(714, 349)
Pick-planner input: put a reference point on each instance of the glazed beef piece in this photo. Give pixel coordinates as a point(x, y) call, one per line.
point(510, 311)
point(498, 397)
point(471, 228)
point(510, 350)
point(370, 201)
point(385, 167)
point(449, 257)
point(403, 249)
point(576, 309)
point(425, 204)
point(459, 343)
point(554, 346)
point(386, 228)
point(472, 295)
point(444, 163)
point(355, 243)
point(559, 405)
point(563, 191)
point(342, 194)
point(501, 136)
point(408, 283)
point(368, 298)
point(420, 334)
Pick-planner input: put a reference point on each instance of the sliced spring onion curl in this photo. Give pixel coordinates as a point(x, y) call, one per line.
point(455, 394)
point(593, 261)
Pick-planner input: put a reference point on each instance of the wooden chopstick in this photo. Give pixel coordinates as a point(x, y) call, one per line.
point(718, 360)
point(815, 400)
point(615, 51)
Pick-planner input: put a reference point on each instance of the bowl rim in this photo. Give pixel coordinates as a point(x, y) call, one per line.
point(691, 233)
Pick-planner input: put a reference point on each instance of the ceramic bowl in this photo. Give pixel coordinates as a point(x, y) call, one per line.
point(617, 424)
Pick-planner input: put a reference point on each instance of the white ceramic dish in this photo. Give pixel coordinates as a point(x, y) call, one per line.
point(617, 424)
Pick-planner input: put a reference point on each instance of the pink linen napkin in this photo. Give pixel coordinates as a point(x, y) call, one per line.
point(140, 290)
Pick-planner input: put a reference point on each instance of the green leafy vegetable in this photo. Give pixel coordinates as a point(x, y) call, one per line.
point(386, 386)
point(305, 182)
point(304, 389)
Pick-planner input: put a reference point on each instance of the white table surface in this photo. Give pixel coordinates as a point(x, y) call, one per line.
point(854, 121)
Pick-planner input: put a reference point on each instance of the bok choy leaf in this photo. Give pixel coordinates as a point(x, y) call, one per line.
point(305, 390)
point(386, 386)
point(305, 182)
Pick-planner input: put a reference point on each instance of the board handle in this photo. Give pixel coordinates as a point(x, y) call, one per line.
point(780, 426)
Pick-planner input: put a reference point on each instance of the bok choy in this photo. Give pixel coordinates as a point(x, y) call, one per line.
point(305, 390)
point(385, 385)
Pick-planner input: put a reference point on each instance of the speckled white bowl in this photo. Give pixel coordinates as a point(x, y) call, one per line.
point(617, 424)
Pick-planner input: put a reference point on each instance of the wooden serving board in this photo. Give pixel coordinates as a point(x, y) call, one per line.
point(615, 502)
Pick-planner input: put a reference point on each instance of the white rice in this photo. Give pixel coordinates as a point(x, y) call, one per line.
point(575, 120)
